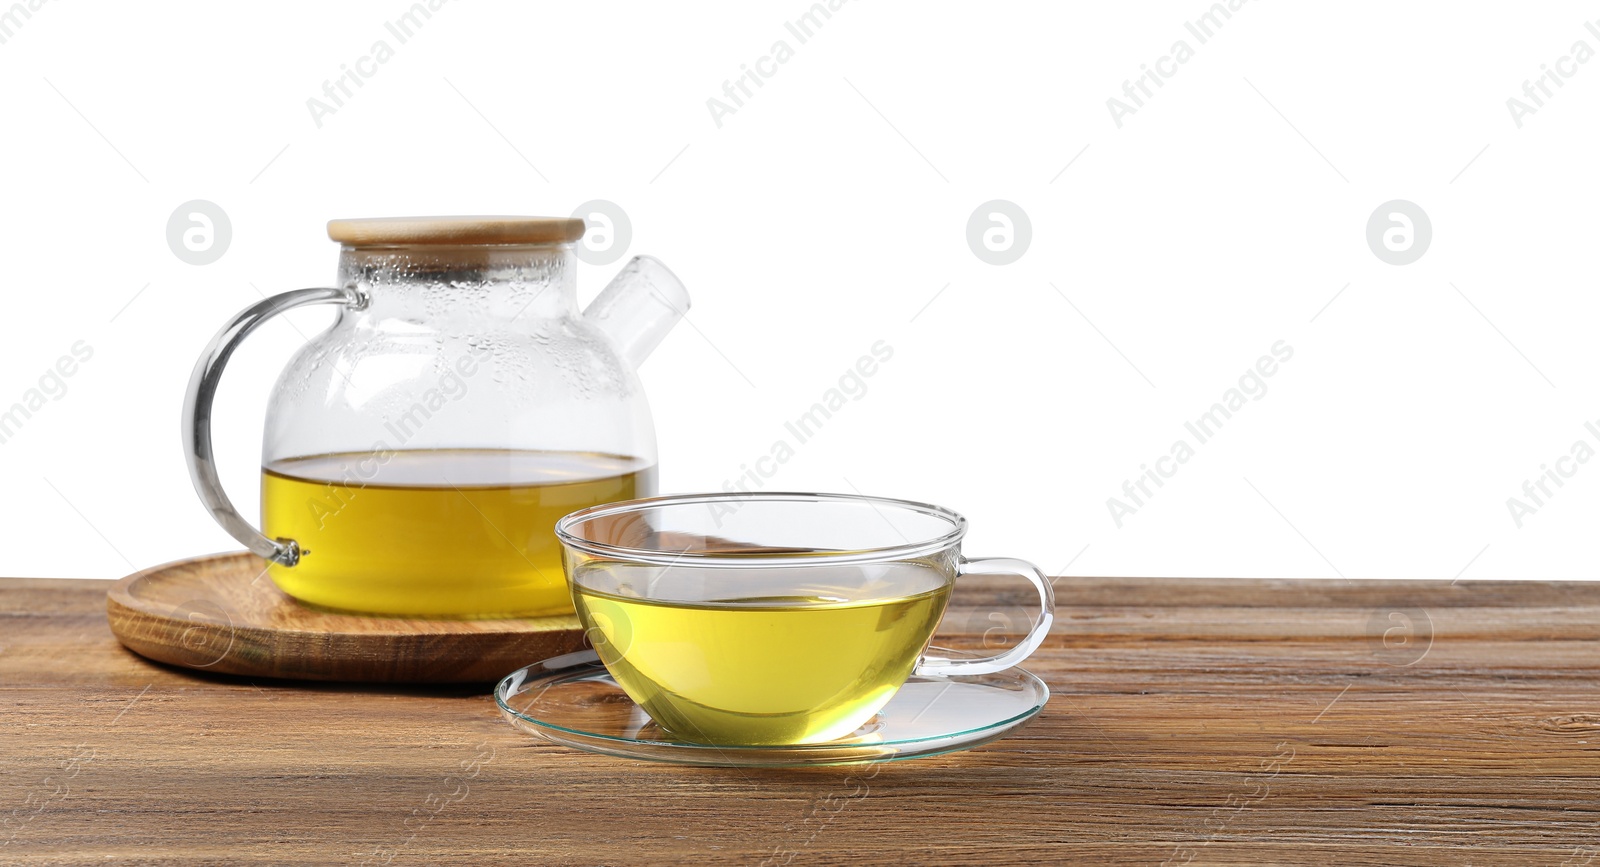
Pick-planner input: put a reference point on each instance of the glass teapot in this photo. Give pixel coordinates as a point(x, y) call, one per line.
point(418, 452)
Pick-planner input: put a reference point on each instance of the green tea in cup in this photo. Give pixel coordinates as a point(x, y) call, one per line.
point(760, 619)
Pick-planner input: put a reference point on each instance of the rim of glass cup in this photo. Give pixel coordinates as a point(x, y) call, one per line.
point(910, 548)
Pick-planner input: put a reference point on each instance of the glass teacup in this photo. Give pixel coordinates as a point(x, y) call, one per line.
point(757, 619)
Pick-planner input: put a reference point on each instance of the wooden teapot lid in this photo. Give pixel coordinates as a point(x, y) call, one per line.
point(453, 231)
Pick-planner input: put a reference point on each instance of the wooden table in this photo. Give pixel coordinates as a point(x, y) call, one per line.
point(1193, 721)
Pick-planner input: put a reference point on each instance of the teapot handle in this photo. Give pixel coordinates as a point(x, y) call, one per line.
point(197, 449)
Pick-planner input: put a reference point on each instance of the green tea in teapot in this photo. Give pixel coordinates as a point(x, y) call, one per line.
point(439, 532)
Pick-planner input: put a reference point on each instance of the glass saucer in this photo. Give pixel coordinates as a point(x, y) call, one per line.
point(572, 700)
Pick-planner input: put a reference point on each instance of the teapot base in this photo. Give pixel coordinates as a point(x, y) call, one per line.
point(218, 614)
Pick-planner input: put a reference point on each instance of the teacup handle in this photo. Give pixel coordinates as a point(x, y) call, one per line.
point(197, 449)
point(940, 665)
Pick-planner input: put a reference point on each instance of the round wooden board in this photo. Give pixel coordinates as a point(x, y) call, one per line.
point(222, 613)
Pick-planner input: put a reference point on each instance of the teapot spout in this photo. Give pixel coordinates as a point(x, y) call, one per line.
point(638, 307)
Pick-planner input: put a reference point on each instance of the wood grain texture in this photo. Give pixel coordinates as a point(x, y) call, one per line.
point(222, 614)
point(1191, 721)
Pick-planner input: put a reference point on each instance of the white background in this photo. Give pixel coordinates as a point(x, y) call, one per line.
point(829, 213)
